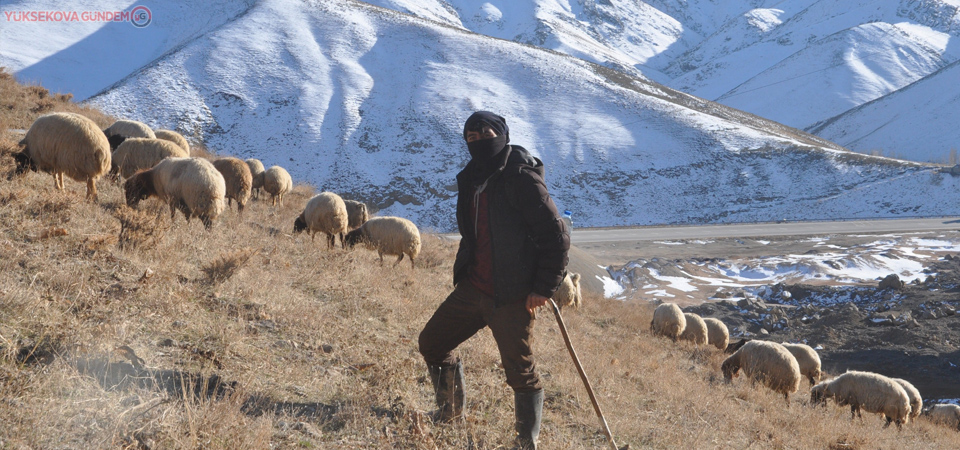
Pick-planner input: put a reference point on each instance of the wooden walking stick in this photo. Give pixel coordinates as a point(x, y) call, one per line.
point(583, 376)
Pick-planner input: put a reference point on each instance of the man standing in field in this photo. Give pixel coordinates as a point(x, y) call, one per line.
point(513, 251)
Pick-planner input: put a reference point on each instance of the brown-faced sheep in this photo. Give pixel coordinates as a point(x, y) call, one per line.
point(121, 130)
point(388, 236)
point(865, 390)
point(568, 294)
point(695, 330)
point(916, 401)
point(734, 346)
point(256, 171)
point(717, 333)
point(191, 185)
point(277, 181)
point(808, 359)
point(65, 144)
point(944, 413)
point(356, 213)
point(176, 138)
point(668, 321)
point(236, 174)
point(136, 154)
point(326, 213)
point(767, 362)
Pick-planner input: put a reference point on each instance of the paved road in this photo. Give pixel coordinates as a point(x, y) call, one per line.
point(600, 235)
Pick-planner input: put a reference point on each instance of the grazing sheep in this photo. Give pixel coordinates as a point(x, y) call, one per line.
point(326, 213)
point(256, 171)
point(124, 129)
point(865, 390)
point(736, 345)
point(136, 154)
point(65, 144)
point(388, 235)
point(767, 362)
point(568, 294)
point(695, 330)
point(808, 359)
point(176, 138)
point(916, 401)
point(945, 413)
point(191, 185)
point(356, 213)
point(668, 320)
point(277, 182)
point(236, 174)
point(717, 333)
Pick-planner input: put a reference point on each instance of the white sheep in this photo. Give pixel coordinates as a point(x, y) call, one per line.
point(945, 413)
point(767, 362)
point(356, 213)
point(388, 235)
point(717, 333)
point(916, 401)
point(65, 144)
point(568, 294)
point(191, 185)
point(865, 390)
point(695, 330)
point(808, 359)
point(668, 321)
point(326, 213)
point(176, 138)
point(237, 175)
point(256, 171)
point(136, 154)
point(277, 181)
point(123, 129)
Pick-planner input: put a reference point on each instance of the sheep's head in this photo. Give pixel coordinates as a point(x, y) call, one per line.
point(353, 238)
point(22, 163)
point(818, 394)
point(730, 368)
point(299, 225)
point(731, 348)
point(138, 188)
point(115, 140)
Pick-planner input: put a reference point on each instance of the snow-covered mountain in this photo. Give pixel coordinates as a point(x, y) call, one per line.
point(798, 62)
point(369, 102)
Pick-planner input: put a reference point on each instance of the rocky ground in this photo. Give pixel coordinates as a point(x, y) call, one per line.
point(908, 330)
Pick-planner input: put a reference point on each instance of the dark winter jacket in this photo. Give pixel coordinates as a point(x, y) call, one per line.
point(528, 239)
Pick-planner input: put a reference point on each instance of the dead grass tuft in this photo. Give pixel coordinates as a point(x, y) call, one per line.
point(225, 266)
point(139, 229)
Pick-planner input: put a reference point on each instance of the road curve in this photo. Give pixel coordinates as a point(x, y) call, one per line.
point(656, 233)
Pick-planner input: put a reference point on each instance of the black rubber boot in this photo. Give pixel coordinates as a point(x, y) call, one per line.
point(448, 386)
point(529, 408)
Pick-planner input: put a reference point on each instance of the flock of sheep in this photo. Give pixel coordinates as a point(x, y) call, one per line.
point(781, 366)
point(157, 163)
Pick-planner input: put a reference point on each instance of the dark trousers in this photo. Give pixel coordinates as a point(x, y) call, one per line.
point(465, 312)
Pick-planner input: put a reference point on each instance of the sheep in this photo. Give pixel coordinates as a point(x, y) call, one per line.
point(668, 320)
point(695, 330)
point(717, 333)
point(237, 175)
point(356, 213)
point(916, 401)
point(191, 185)
point(944, 413)
point(736, 345)
point(65, 144)
point(808, 359)
point(176, 138)
point(865, 390)
point(124, 129)
point(767, 362)
point(136, 154)
point(568, 294)
point(277, 182)
point(326, 213)
point(388, 235)
point(256, 171)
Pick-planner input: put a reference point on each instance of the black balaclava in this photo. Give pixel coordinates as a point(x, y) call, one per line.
point(483, 151)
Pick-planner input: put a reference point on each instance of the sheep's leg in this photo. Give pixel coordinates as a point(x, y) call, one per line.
point(380, 253)
point(412, 264)
point(331, 241)
point(91, 189)
point(398, 260)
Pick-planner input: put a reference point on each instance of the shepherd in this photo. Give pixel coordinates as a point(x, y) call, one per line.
point(512, 255)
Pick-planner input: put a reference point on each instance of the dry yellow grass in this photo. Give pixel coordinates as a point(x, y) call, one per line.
point(253, 337)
